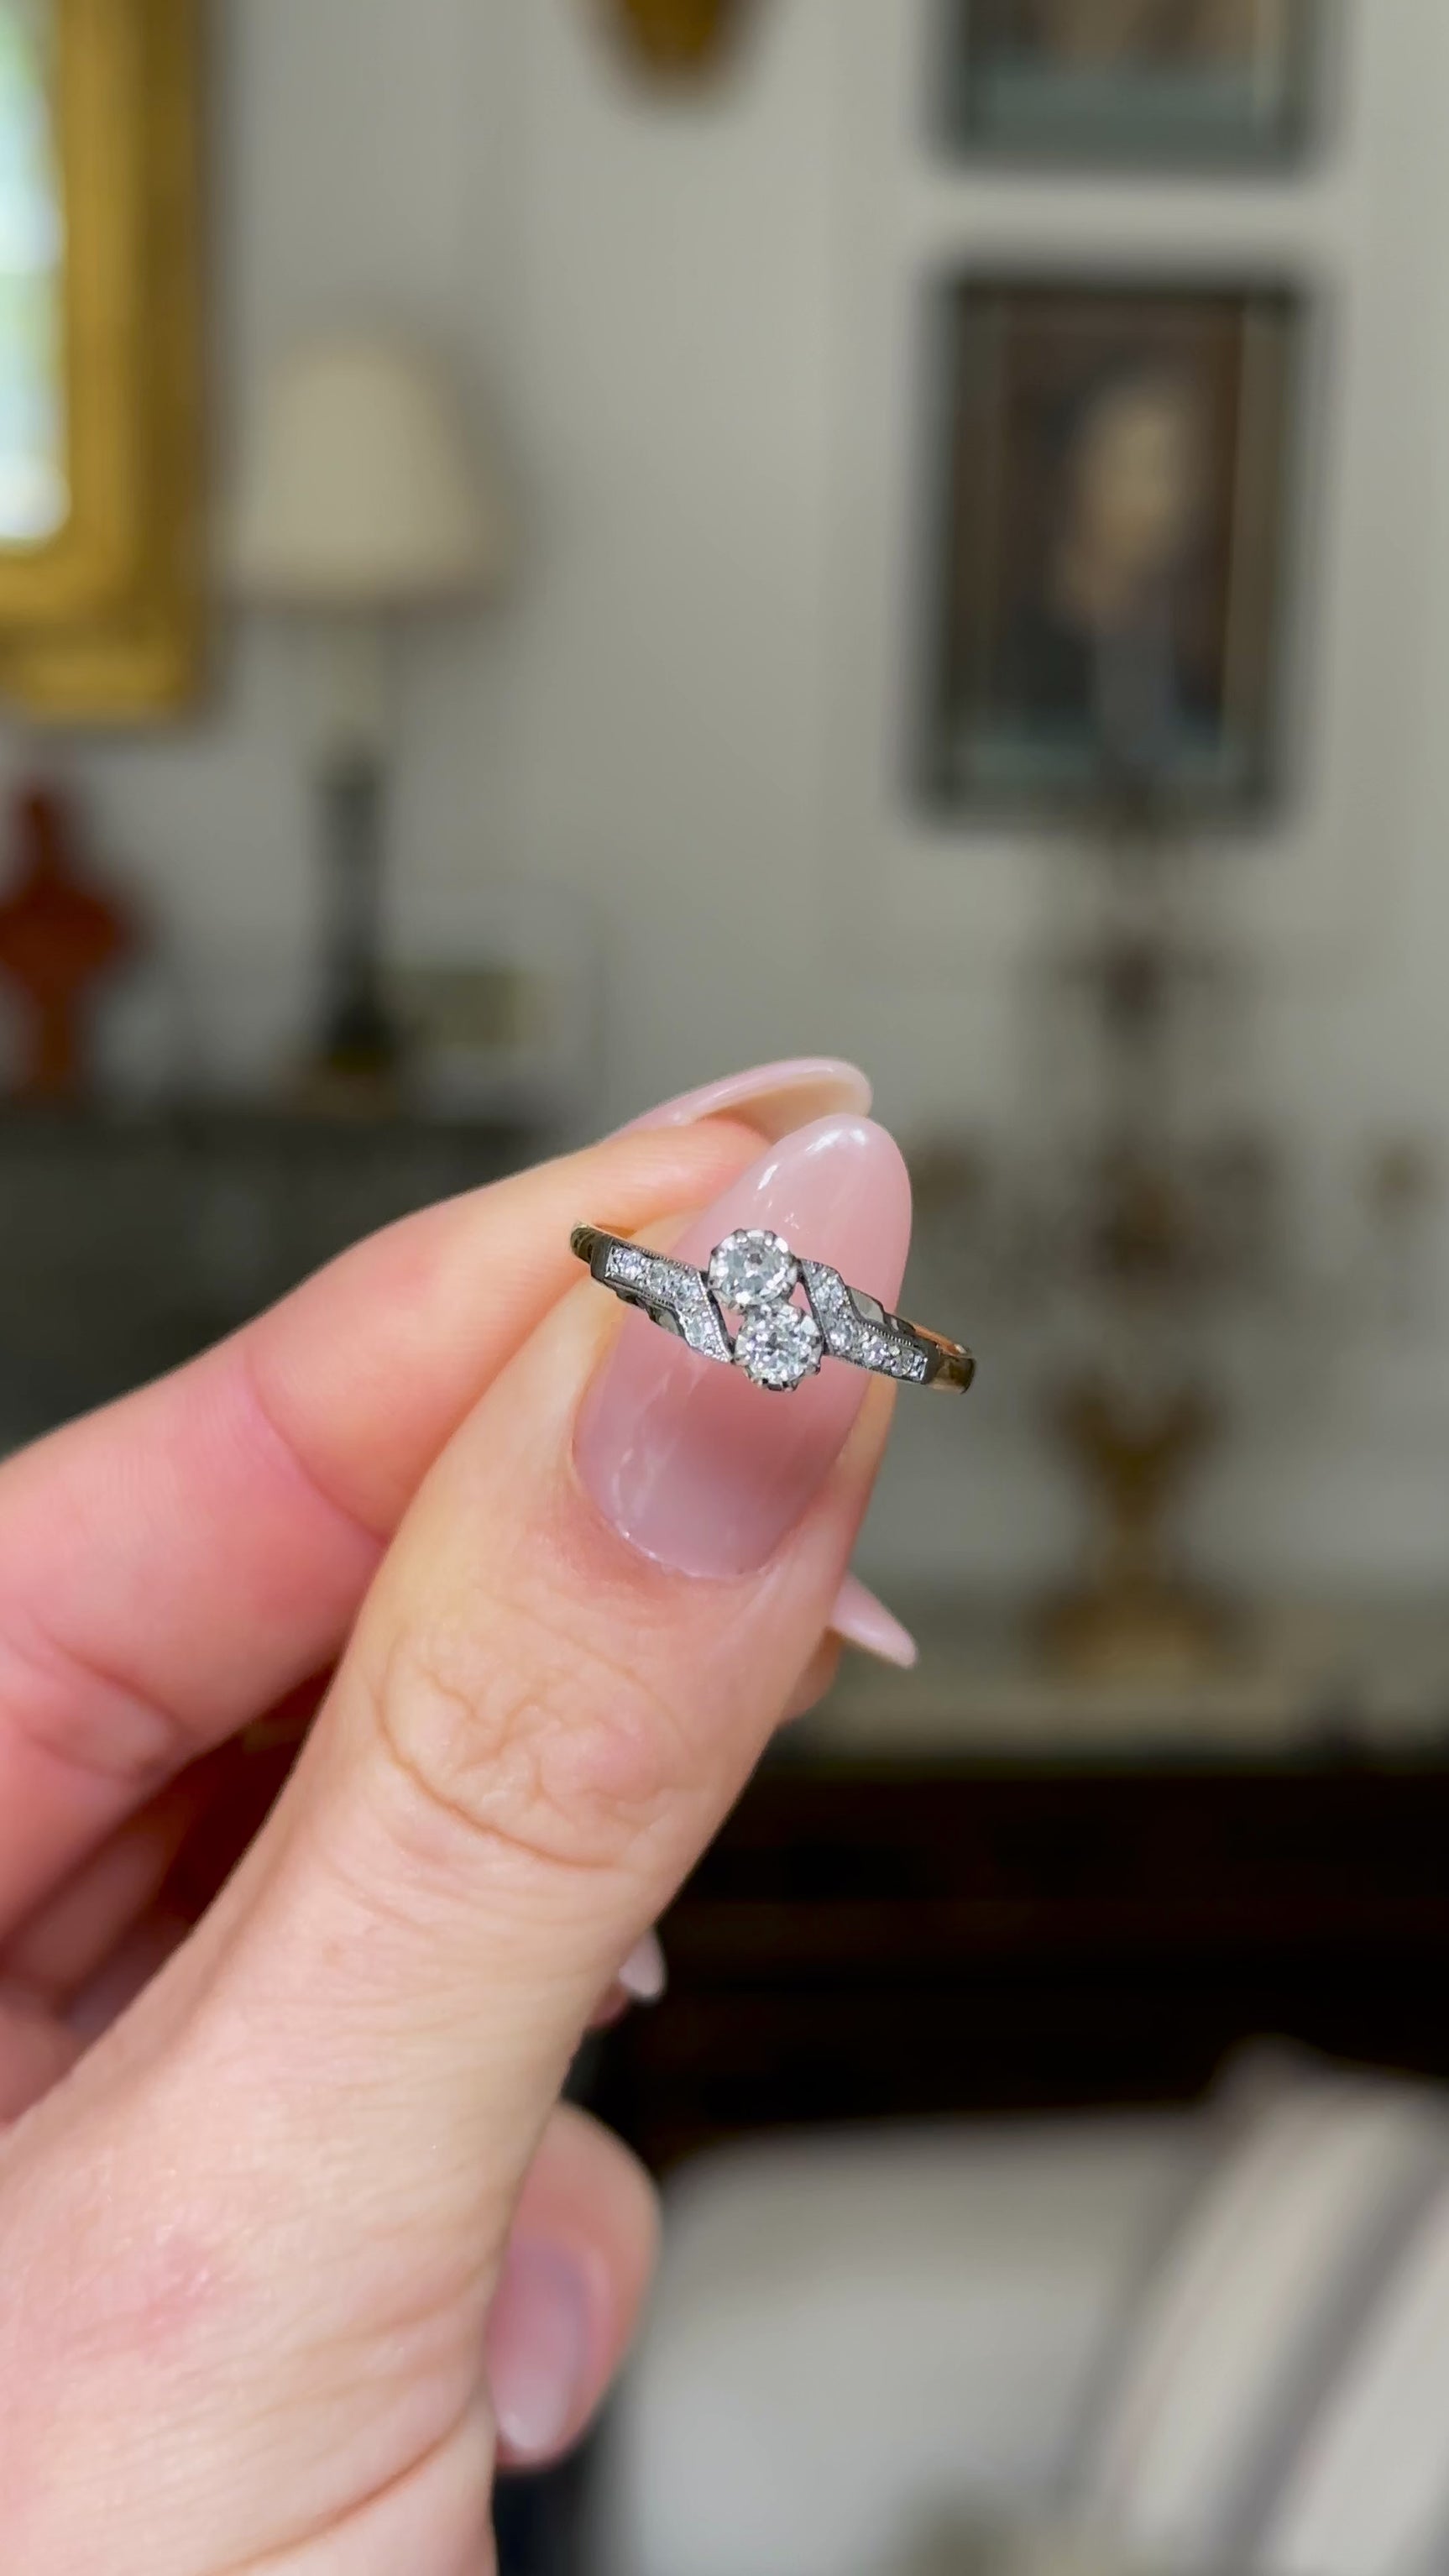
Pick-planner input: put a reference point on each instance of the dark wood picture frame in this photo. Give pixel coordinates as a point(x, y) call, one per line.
point(1110, 468)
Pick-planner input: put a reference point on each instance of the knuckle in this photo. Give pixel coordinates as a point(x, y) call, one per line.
point(506, 1729)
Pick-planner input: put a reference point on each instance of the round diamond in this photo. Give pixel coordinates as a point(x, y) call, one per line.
point(752, 1268)
point(778, 1345)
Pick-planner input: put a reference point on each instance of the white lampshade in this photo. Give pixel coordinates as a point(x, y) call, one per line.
point(360, 489)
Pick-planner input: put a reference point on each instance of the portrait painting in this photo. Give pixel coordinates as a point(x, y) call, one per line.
point(1107, 547)
point(1184, 82)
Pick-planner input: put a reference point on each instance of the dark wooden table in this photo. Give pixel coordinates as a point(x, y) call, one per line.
point(870, 1940)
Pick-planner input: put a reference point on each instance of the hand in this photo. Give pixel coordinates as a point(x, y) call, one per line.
point(302, 2242)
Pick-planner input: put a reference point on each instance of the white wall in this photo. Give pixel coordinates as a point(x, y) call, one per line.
point(715, 383)
point(689, 324)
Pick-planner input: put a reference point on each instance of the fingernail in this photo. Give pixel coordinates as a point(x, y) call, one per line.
point(537, 2347)
point(644, 1975)
point(865, 1622)
point(699, 1468)
point(773, 1097)
point(641, 1980)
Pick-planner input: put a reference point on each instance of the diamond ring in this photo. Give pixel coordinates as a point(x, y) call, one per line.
point(792, 1313)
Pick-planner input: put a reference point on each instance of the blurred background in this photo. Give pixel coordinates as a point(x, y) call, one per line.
point(552, 549)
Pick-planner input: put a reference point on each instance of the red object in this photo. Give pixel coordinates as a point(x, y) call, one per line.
point(58, 938)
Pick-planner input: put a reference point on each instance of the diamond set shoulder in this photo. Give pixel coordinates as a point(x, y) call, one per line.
point(792, 1313)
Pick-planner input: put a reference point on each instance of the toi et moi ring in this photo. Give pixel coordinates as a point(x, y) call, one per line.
point(793, 1312)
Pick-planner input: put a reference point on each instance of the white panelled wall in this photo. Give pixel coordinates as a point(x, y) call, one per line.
point(690, 324)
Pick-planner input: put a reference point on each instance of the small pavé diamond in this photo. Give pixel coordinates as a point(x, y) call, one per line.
point(752, 1268)
point(699, 1318)
point(778, 1345)
point(828, 1294)
point(673, 1294)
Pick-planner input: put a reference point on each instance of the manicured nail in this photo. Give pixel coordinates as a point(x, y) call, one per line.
point(865, 1622)
point(644, 1975)
point(538, 2347)
point(772, 1097)
point(641, 1980)
point(698, 1467)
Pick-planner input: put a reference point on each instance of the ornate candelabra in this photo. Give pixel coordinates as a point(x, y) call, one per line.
point(1137, 1224)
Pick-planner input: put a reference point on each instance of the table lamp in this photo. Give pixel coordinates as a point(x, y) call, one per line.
point(361, 502)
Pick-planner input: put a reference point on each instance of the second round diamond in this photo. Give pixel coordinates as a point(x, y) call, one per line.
point(777, 1346)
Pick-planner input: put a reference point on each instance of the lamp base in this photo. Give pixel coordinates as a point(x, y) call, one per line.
point(322, 1090)
point(360, 1048)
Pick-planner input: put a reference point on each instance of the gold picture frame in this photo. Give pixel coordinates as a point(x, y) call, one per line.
point(101, 622)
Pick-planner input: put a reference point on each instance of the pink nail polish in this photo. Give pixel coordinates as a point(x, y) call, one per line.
point(773, 1097)
point(865, 1622)
point(537, 2347)
point(696, 1466)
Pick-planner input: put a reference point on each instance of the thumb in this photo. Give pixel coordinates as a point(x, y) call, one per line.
point(592, 1618)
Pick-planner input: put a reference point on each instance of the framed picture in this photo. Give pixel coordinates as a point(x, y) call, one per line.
point(1175, 83)
point(1106, 568)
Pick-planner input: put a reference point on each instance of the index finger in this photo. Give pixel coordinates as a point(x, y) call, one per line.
point(175, 1563)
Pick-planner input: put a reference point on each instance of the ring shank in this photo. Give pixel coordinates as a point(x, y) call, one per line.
point(591, 1244)
point(956, 1366)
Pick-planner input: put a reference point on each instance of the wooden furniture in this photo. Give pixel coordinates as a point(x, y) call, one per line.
point(870, 1940)
point(131, 1242)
